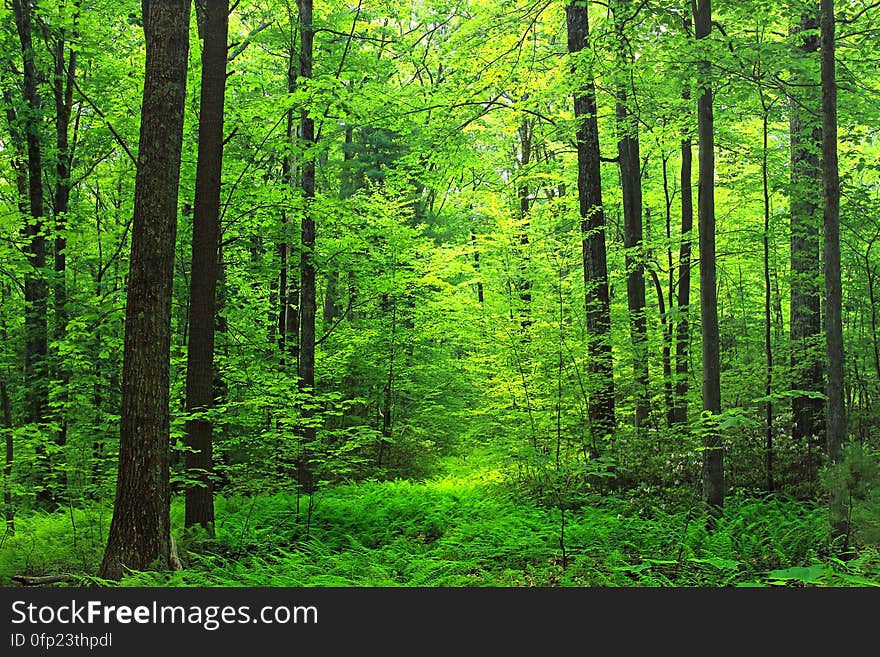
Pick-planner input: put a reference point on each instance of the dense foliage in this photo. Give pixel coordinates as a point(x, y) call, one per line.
point(449, 433)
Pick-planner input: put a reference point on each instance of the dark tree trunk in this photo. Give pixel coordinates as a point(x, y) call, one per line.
point(200, 384)
point(140, 530)
point(35, 287)
point(836, 412)
point(713, 454)
point(667, 323)
point(807, 370)
point(598, 310)
point(308, 305)
point(63, 92)
point(682, 329)
point(629, 162)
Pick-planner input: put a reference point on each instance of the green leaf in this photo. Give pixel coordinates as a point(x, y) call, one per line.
point(799, 573)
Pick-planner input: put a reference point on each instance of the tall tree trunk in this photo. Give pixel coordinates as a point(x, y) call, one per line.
point(307, 258)
point(836, 413)
point(140, 530)
point(598, 308)
point(205, 268)
point(806, 207)
point(63, 91)
point(35, 287)
point(629, 162)
point(682, 329)
point(713, 454)
point(768, 343)
point(667, 322)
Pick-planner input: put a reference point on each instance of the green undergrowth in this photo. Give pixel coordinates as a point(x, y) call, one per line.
point(467, 528)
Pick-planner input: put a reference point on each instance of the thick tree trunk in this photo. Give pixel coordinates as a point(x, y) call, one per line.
point(836, 413)
point(205, 268)
point(308, 302)
point(63, 92)
point(598, 309)
point(35, 286)
point(806, 268)
point(140, 530)
point(713, 454)
point(629, 162)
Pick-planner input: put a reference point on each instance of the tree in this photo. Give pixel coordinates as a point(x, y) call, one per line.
point(522, 282)
point(683, 299)
point(836, 410)
point(713, 454)
point(64, 76)
point(806, 193)
point(308, 300)
point(35, 287)
point(140, 530)
point(205, 267)
point(589, 179)
point(629, 162)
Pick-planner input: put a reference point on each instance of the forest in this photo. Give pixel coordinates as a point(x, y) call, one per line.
point(440, 293)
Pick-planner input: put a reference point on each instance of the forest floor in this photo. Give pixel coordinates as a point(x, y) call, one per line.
point(469, 526)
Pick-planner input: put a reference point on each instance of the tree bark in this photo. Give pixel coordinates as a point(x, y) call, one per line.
point(713, 454)
point(140, 529)
point(63, 91)
point(838, 505)
point(806, 268)
point(667, 323)
point(308, 302)
point(205, 268)
point(35, 286)
point(629, 162)
point(683, 301)
point(597, 303)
